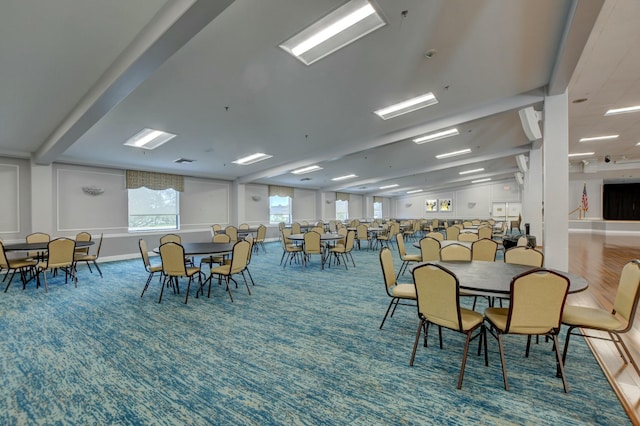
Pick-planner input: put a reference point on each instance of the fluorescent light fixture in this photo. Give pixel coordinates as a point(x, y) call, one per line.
point(389, 186)
point(414, 191)
point(407, 106)
point(481, 180)
point(436, 136)
point(581, 154)
point(626, 110)
point(343, 26)
point(453, 154)
point(344, 177)
point(599, 138)
point(149, 139)
point(307, 169)
point(466, 172)
point(250, 159)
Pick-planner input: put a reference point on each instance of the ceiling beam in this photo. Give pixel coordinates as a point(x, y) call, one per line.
point(464, 116)
point(170, 29)
point(581, 18)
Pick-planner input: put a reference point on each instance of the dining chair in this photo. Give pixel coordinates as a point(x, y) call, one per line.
point(452, 233)
point(484, 250)
point(13, 265)
point(311, 247)
point(175, 238)
point(174, 268)
point(455, 252)
point(429, 249)
point(399, 293)
point(524, 256)
point(83, 236)
point(468, 237)
point(537, 301)
point(438, 299)
point(37, 237)
point(232, 232)
point(436, 235)
point(523, 241)
point(363, 235)
point(261, 236)
point(467, 224)
point(249, 238)
point(59, 257)
point(485, 232)
point(295, 228)
point(289, 251)
point(87, 257)
point(406, 258)
point(616, 322)
point(151, 269)
point(342, 252)
point(243, 226)
point(219, 259)
point(238, 263)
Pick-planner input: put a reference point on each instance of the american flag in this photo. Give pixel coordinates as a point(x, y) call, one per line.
point(585, 199)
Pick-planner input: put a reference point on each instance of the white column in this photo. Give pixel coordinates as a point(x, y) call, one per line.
point(532, 193)
point(556, 182)
point(42, 204)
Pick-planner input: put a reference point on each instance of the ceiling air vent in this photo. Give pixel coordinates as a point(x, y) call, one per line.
point(303, 179)
point(183, 160)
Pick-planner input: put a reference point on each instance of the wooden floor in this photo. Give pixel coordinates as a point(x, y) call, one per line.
point(600, 258)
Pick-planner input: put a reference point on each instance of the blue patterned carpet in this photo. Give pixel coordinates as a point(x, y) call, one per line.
point(303, 349)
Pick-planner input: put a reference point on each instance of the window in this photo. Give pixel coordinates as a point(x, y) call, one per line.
point(377, 210)
point(152, 210)
point(279, 209)
point(342, 210)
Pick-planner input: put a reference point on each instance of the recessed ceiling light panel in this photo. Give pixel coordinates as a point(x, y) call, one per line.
point(253, 158)
point(599, 138)
point(343, 26)
point(436, 136)
point(149, 138)
point(307, 169)
point(389, 186)
point(344, 177)
point(467, 172)
point(414, 191)
point(581, 154)
point(407, 106)
point(481, 180)
point(453, 153)
point(626, 110)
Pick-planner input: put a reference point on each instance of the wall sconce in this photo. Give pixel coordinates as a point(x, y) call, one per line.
point(408, 205)
point(92, 190)
point(328, 201)
point(471, 205)
point(256, 198)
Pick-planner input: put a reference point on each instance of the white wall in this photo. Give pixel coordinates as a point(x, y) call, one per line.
point(594, 195)
point(356, 207)
point(304, 205)
point(256, 207)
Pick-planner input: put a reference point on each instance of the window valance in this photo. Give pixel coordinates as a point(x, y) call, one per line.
point(342, 196)
point(377, 199)
point(280, 191)
point(156, 181)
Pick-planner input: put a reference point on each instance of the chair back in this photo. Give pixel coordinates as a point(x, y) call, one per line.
point(170, 238)
point(60, 252)
point(524, 256)
point(240, 256)
point(38, 237)
point(388, 272)
point(363, 232)
point(484, 250)
point(402, 249)
point(4, 262)
point(312, 243)
point(628, 294)
point(144, 252)
point(452, 233)
point(332, 226)
point(455, 252)
point(285, 236)
point(485, 232)
point(467, 224)
point(348, 245)
point(537, 301)
point(83, 236)
point(304, 223)
point(295, 228)
point(216, 228)
point(522, 241)
point(172, 255)
point(438, 292)
point(342, 231)
point(318, 229)
point(281, 226)
point(249, 238)
point(221, 238)
point(475, 222)
point(261, 234)
point(232, 232)
point(243, 226)
point(436, 235)
point(468, 236)
point(430, 249)
point(99, 245)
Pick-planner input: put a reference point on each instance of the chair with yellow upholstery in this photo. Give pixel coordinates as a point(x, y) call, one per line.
point(524, 256)
point(239, 260)
point(485, 232)
point(398, 292)
point(383, 237)
point(59, 256)
point(438, 300)
point(475, 222)
point(429, 249)
point(88, 257)
point(232, 232)
point(151, 269)
point(261, 236)
point(175, 238)
point(174, 267)
point(312, 246)
point(435, 235)
point(455, 252)
point(468, 237)
point(341, 252)
point(38, 237)
point(289, 251)
point(484, 250)
point(83, 236)
point(406, 258)
point(295, 228)
point(219, 259)
point(13, 265)
point(467, 224)
point(452, 233)
point(537, 301)
point(362, 231)
point(616, 322)
point(243, 227)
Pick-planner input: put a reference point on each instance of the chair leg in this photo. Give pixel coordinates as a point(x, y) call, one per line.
point(415, 343)
point(227, 279)
point(387, 313)
point(559, 364)
point(464, 358)
point(97, 267)
point(147, 283)
point(502, 361)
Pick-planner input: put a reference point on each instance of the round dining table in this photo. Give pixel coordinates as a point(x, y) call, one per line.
point(444, 243)
point(41, 246)
point(206, 248)
point(494, 278)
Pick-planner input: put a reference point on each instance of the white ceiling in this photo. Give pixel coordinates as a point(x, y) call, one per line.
point(77, 78)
